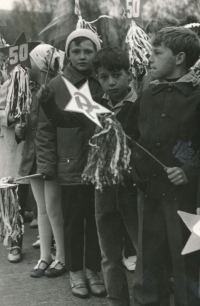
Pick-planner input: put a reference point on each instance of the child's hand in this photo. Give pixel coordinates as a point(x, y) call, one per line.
point(43, 94)
point(20, 130)
point(177, 176)
point(10, 119)
point(198, 211)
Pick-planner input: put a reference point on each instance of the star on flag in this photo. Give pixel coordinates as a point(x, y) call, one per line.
point(193, 223)
point(19, 52)
point(82, 102)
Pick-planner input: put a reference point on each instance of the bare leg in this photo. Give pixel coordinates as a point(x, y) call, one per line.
point(44, 225)
point(54, 211)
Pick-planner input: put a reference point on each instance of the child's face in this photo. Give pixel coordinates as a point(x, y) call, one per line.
point(114, 83)
point(82, 56)
point(162, 63)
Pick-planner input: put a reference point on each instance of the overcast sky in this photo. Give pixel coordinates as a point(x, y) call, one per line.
point(6, 4)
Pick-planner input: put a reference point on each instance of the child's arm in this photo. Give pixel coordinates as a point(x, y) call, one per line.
point(57, 116)
point(20, 132)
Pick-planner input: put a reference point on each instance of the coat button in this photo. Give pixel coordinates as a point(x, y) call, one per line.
point(158, 145)
point(169, 89)
point(154, 176)
point(163, 116)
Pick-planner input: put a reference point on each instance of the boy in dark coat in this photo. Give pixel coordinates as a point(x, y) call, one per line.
point(116, 205)
point(66, 153)
point(168, 127)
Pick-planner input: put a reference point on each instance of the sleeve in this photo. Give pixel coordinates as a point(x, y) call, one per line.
point(46, 146)
point(59, 117)
point(131, 126)
point(3, 112)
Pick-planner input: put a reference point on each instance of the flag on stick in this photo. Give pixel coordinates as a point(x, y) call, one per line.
point(82, 102)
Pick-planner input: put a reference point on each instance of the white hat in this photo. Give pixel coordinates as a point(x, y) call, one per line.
point(82, 33)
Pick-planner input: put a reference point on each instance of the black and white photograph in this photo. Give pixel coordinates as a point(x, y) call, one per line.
point(99, 153)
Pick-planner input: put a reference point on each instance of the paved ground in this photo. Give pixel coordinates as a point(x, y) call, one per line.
point(18, 288)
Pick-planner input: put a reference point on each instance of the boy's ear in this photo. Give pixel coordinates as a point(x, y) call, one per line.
point(180, 58)
point(129, 75)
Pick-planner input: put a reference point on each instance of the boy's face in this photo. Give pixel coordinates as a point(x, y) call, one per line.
point(114, 83)
point(162, 63)
point(82, 56)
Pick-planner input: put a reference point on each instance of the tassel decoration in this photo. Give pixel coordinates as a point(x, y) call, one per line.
point(139, 49)
point(109, 155)
point(18, 100)
point(11, 222)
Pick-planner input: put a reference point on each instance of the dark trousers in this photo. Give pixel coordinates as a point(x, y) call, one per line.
point(129, 249)
point(115, 207)
point(80, 230)
point(159, 226)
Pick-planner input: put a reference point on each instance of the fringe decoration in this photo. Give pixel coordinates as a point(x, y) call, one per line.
point(139, 49)
point(108, 156)
point(11, 222)
point(19, 98)
point(83, 24)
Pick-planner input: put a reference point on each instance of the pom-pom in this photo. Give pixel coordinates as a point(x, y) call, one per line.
point(139, 49)
point(11, 222)
point(19, 98)
point(109, 155)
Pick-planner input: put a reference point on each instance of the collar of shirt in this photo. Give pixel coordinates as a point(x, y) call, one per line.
point(131, 97)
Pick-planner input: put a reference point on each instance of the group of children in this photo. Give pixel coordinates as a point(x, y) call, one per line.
point(164, 120)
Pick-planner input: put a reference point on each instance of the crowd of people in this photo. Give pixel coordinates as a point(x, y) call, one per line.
point(133, 223)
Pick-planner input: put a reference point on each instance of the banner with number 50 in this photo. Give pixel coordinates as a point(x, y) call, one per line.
point(133, 9)
point(19, 52)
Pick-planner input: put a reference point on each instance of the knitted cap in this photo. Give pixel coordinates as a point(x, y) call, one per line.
point(82, 33)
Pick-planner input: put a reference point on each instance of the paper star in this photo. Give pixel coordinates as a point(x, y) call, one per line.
point(82, 102)
point(193, 223)
point(19, 52)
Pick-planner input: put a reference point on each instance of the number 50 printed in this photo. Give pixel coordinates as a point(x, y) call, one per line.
point(133, 8)
point(18, 54)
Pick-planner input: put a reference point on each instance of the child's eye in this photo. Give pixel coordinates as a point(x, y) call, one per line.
point(104, 77)
point(88, 51)
point(116, 75)
point(75, 51)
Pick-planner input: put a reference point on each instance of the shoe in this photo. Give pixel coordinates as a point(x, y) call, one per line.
point(78, 284)
point(96, 286)
point(37, 271)
point(28, 216)
point(36, 244)
point(15, 254)
point(130, 263)
point(52, 271)
point(34, 223)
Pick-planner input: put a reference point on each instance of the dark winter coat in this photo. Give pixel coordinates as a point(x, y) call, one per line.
point(62, 153)
point(164, 120)
point(28, 162)
point(62, 119)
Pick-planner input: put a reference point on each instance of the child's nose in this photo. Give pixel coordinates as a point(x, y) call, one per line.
point(82, 55)
point(111, 81)
point(151, 59)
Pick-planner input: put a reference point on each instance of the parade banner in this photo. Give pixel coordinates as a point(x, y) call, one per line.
point(19, 52)
point(82, 102)
point(133, 10)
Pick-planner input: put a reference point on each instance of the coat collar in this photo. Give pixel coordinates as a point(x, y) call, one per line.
point(74, 76)
point(185, 84)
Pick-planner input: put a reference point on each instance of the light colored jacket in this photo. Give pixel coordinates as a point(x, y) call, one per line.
point(10, 151)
